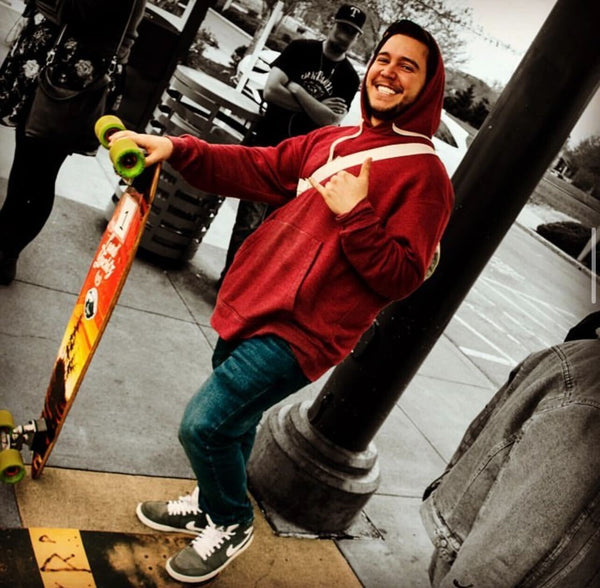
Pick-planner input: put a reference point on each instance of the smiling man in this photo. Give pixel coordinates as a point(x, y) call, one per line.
point(396, 77)
point(361, 212)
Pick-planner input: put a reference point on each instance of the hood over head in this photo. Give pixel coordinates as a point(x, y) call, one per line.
point(423, 115)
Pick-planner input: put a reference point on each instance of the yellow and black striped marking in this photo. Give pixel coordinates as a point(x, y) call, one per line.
point(61, 558)
point(69, 558)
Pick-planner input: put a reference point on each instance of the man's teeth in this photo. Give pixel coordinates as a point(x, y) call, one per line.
point(385, 90)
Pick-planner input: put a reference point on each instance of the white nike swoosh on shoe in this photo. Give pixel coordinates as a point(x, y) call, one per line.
point(233, 549)
point(191, 526)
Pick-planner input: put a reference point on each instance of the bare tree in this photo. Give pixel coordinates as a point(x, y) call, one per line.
point(447, 24)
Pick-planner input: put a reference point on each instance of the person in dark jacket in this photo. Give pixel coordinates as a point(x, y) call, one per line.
point(519, 503)
point(361, 210)
point(94, 29)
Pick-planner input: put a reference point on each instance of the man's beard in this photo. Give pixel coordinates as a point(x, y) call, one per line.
point(335, 49)
point(386, 114)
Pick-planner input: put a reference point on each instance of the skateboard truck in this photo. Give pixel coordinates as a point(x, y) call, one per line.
point(12, 439)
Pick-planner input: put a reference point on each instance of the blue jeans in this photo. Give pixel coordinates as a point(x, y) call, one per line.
point(219, 423)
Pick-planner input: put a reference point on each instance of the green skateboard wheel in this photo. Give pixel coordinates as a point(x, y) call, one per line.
point(127, 158)
point(6, 420)
point(12, 469)
point(107, 125)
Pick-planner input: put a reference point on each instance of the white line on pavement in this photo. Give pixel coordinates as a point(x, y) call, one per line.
point(485, 340)
point(482, 355)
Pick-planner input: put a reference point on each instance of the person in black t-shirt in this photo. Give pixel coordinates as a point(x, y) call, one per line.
point(310, 85)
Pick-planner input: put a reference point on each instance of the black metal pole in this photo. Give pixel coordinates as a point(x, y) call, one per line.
point(527, 127)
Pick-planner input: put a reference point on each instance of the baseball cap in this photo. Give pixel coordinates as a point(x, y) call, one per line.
point(351, 15)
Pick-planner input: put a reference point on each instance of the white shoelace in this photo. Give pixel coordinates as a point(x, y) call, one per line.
point(185, 504)
point(211, 538)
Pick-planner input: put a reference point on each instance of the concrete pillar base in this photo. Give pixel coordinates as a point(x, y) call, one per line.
point(307, 479)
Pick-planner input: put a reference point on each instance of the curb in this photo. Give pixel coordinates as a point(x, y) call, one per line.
point(557, 250)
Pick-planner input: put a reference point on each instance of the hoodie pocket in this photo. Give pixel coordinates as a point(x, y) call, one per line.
point(268, 271)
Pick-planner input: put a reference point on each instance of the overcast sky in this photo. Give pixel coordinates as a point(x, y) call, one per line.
point(516, 23)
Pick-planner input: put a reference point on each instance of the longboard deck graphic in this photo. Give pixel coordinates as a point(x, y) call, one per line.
point(98, 296)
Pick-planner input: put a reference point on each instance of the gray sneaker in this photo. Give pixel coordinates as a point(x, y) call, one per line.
point(182, 515)
point(214, 548)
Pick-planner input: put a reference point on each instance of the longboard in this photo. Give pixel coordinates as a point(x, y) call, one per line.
point(98, 296)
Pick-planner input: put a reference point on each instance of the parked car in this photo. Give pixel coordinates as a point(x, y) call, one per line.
point(451, 140)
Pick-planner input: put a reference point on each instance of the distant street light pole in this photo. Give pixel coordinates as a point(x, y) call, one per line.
point(260, 43)
point(309, 451)
point(590, 249)
point(589, 246)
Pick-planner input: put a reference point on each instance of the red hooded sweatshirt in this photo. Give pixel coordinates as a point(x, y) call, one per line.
point(313, 278)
